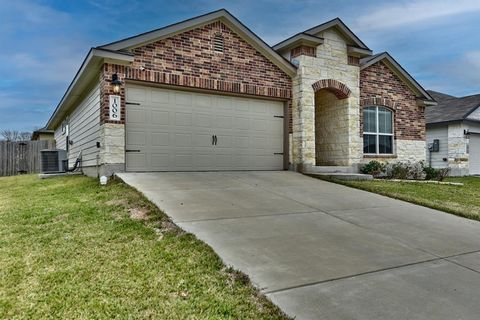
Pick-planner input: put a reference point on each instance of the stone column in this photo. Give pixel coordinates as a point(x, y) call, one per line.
point(303, 120)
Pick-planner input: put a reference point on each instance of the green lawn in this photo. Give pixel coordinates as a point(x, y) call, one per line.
point(460, 200)
point(72, 249)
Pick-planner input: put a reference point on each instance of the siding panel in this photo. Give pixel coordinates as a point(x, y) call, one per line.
point(440, 133)
point(85, 129)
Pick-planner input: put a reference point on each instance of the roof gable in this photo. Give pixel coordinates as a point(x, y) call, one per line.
point(393, 65)
point(338, 25)
point(222, 15)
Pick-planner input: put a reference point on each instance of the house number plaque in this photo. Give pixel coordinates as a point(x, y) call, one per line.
point(115, 108)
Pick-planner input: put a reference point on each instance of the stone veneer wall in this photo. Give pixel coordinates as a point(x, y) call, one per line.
point(331, 129)
point(457, 149)
point(380, 86)
point(331, 62)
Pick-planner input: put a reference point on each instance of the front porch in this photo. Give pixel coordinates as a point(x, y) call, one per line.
point(327, 131)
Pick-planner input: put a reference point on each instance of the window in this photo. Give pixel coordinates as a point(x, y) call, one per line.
point(377, 130)
point(218, 42)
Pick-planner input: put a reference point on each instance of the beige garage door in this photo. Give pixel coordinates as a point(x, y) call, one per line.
point(474, 154)
point(170, 130)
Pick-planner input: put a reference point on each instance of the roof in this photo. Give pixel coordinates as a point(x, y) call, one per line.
point(451, 108)
point(402, 73)
point(83, 78)
point(118, 52)
point(336, 23)
point(36, 133)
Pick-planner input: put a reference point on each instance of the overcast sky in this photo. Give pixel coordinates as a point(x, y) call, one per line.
point(44, 42)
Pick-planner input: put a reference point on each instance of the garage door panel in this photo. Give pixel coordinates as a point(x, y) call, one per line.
point(159, 160)
point(137, 161)
point(474, 154)
point(160, 139)
point(242, 124)
point(183, 119)
point(136, 115)
point(259, 125)
point(173, 131)
point(160, 117)
point(203, 161)
point(136, 138)
point(203, 120)
point(160, 96)
point(182, 140)
point(203, 101)
point(202, 140)
point(183, 98)
point(183, 160)
point(137, 94)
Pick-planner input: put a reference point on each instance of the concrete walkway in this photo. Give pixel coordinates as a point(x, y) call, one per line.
point(325, 251)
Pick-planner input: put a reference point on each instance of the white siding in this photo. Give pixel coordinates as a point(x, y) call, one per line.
point(440, 133)
point(84, 129)
point(60, 138)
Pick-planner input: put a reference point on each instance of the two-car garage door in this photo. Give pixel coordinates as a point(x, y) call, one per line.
point(171, 130)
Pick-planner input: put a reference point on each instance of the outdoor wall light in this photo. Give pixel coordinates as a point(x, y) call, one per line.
point(116, 83)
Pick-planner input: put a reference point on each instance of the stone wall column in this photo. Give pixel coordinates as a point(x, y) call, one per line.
point(457, 150)
point(355, 142)
point(303, 124)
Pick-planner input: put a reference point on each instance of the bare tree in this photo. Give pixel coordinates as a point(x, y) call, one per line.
point(15, 135)
point(25, 136)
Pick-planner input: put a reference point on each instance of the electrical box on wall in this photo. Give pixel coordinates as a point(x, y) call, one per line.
point(436, 145)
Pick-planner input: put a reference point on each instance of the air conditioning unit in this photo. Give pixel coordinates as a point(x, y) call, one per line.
point(53, 161)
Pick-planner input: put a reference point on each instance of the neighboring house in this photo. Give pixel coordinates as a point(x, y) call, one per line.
point(43, 134)
point(455, 123)
point(209, 94)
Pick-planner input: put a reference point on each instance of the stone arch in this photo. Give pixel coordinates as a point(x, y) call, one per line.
point(340, 90)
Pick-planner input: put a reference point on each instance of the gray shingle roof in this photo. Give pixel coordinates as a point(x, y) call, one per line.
point(450, 108)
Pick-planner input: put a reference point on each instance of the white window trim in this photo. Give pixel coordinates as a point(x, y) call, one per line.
point(378, 134)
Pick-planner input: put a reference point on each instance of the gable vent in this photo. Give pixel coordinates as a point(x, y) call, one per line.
point(218, 42)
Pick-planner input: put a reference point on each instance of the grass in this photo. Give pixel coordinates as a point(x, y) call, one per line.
point(72, 249)
point(463, 200)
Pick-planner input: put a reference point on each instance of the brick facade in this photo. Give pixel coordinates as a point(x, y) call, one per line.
point(189, 60)
point(380, 86)
point(303, 50)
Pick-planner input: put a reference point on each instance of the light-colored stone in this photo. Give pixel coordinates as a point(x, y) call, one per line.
point(338, 141)
point(112, 143)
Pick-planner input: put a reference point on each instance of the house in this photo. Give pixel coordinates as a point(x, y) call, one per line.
point(43, 134)
point(209, 94)
point(454, 126)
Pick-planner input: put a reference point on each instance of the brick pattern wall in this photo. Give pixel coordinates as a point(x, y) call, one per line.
point(303, 50)
point(106, 90)
point(353, 61)
point(188, 59)
point(380, 86)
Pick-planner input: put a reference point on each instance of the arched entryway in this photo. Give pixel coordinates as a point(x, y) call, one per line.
point(331, 123)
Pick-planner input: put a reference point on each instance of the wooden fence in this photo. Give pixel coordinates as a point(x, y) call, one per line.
point(22, 157)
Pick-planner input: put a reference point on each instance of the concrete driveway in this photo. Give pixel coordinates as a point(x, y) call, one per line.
point(325, 251)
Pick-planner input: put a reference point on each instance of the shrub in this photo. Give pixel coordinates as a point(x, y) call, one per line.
point(396, 170)
point(430, 173)
point(374, 168)
point(443, 173)
point(416, 170)
point(436, 174)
